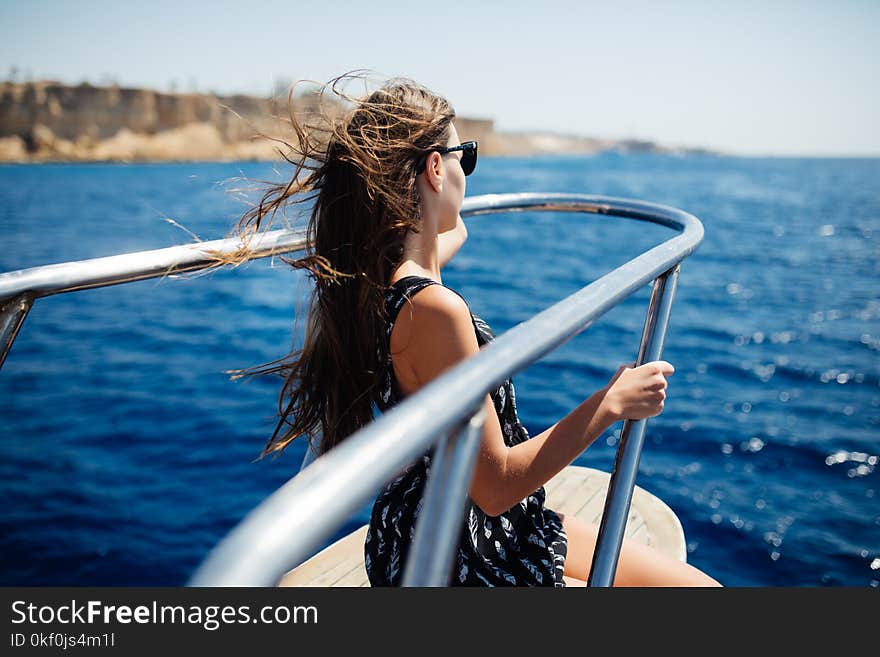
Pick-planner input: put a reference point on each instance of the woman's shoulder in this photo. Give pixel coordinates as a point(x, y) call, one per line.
point(432, 307)
point(432, 331)
point(426, 294)
point(438, 304)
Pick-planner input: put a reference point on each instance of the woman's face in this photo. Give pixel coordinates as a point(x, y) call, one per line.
point(451, 194)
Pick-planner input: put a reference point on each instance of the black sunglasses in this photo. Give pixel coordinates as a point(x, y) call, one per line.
point(468, 156)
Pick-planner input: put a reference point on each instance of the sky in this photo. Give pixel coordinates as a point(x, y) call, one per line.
point(743, 77)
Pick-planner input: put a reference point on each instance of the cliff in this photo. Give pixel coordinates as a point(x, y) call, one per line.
point(51, 121)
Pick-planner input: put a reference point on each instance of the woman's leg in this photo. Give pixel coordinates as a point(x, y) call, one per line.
point(638, 565)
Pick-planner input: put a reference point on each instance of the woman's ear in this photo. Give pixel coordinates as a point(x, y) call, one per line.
point(434, 171)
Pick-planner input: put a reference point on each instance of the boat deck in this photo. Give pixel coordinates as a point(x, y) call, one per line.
point(575, 490)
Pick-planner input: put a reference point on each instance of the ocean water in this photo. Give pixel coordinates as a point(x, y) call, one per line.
point(126, 452)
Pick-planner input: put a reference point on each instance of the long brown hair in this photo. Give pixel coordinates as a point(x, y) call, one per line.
point(361, 162)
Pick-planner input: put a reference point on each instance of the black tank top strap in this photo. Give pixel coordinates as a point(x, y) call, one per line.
point(402, 290)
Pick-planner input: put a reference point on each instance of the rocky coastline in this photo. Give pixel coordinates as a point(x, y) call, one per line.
point(50, 121)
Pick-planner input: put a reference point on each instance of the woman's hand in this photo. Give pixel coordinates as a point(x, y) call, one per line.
point(635, 393)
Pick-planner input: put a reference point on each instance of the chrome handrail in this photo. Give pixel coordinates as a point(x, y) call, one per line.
point(19, 289)
point(294, 522)
point(285, 529)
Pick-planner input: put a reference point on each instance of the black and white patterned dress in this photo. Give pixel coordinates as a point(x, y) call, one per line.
point(524, 546)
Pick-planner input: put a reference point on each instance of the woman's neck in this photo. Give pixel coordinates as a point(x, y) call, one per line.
point(419, 256)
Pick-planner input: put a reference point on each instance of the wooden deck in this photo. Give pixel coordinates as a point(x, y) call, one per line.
point(576, 490)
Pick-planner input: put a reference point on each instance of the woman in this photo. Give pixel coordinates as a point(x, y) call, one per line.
point(390, 181)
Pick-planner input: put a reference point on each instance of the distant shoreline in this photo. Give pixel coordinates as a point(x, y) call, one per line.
point(505, 156)
point(52, 122)
point(573, 156)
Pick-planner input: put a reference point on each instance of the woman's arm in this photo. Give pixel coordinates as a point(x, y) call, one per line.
point(633, 392)
point(534, 462)
point(449, 242)
point(439, 334)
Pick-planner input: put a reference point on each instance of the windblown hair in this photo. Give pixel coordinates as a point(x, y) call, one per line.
point(359, 166)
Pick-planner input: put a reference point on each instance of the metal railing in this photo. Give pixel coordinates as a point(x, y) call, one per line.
point(447, 414)
point(19, 289)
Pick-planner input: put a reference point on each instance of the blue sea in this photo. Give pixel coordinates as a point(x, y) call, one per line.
point(127, 453)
